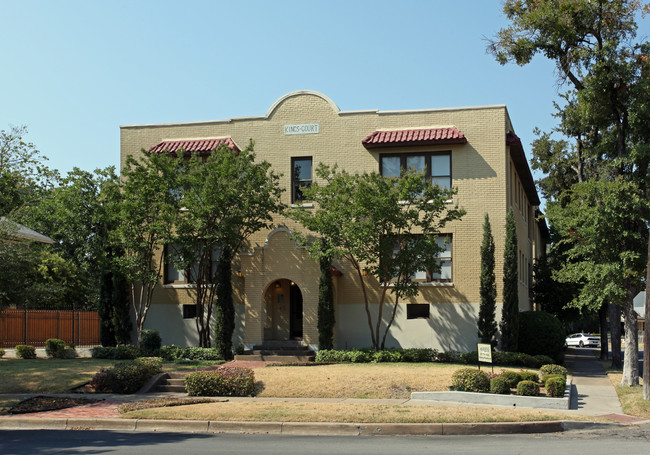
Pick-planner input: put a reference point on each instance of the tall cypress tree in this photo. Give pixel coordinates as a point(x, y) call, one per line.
point(121, 308)
point(487, 326)
point(326, 318)
point(224, 314)
point(510, 313)
point(105, 308)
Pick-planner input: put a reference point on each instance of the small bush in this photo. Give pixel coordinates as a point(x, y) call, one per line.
point(470, 380)
point(555, 386)
point(512, 377)
point(2, 353)
point(121, 352)
point(544, 360)
point(171, 352)
point(55, 348)
point(499, 385)
point(126, 377)
point(448, 357)
point(419, 355)
point(224, 381)
point(553, 369)
point(548, 376)
point(529, 376)
point(326, 355)
point(388, 356)
point(355, 356)
point(199, 353)
point(469, 358)
point(150, 342)
point(25, 351)
point(528, 388)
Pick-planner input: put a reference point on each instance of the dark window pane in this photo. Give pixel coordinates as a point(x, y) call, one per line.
point(417, 311)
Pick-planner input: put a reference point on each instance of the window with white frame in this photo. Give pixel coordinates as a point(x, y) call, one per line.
point(173, 274)
point(435, 166)
point(444, 259)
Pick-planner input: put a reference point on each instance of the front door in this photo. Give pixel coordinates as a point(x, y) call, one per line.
point(295, 317)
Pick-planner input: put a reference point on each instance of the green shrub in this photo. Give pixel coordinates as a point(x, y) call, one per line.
point(529, 376)
point(528, 388)
point(121, 352)
point(541, 333)
point(553, 369)
point(2, 353)
point(499, 385)
point(470, 380)
point(388, 356)
point(448, 357)
point(154, 365)
point(357, 356)
point(171, 352)
point(546, 377)
point(25, 351)
point(224, 381)
point(555, 386)
point(199, 353)
point(527, 360)
point(419, 355)
point(150, 342)
point(469, 358)
point(512, 377)
point(505, 358)
point(126, 377)
point(543, 360)
point(325, 355)
point(55, 348)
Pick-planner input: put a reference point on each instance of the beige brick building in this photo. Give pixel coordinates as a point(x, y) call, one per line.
point(473, 149)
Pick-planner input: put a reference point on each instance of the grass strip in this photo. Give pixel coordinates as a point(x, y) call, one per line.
point(631, 398)
point(347, 413)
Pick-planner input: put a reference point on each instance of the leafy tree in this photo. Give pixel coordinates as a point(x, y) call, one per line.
point(226, 196)
point(120, 305)
point(487, 326)
point(510, 311)
point(604, 121)
point(23, 174)
point(385, 228)
point(146, 214)
point(326, 316)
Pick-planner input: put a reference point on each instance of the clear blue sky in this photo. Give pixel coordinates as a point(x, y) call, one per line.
point(74, 71)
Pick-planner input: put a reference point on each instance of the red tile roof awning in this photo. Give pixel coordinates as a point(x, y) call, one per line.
point(200, 146)
point(424, 136)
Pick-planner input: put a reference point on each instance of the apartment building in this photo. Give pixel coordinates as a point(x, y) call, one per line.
point(473, 149)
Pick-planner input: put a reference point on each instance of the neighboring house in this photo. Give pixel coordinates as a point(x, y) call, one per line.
point(639, 308)
point(473, 149)
point(20, 232)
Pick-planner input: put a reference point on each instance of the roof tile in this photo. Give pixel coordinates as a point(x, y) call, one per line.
point(200, 146)
point(423, 136)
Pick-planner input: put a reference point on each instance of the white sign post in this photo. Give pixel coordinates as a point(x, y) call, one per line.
point(485, 354)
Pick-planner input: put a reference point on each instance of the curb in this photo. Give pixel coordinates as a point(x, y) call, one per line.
point(298, 428)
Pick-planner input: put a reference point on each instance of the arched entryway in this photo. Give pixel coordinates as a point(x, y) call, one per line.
point(283, 307)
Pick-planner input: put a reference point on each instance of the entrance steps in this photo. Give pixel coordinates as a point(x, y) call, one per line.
point(173, 382)
point(293, 351)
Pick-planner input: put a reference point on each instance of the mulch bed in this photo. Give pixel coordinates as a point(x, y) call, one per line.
point(43, 403)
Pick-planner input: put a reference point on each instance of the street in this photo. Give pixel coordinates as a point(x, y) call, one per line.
point(631, 441)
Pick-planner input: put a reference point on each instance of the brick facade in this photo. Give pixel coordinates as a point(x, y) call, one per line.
point(482, 169)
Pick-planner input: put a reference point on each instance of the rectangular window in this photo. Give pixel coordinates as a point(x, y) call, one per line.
point(300, 177)
point(417, 311)
point(435, 166)
point(173, 274)
point(189, 311)
point(444, 259)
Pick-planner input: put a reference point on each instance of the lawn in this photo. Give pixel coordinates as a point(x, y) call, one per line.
point(366, 380)
point(631, 398)
point(351, 413)
point(62, 375)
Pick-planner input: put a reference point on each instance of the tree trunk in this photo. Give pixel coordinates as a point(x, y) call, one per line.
point(615, 329)
point(646, 334)
point(631, 358)
point(604, 341)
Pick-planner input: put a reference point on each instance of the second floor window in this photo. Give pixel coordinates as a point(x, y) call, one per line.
point(173, 274)
point(435, 166)
point(300, 177)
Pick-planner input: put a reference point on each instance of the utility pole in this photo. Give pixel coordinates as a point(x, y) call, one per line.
point(646, 333)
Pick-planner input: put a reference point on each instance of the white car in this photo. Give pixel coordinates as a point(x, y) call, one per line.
point(582, 340)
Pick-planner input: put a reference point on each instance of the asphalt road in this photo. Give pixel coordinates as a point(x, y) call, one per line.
point(630, 441)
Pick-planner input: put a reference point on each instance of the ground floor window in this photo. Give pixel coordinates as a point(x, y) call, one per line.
point(189, 311)
point(417, 311)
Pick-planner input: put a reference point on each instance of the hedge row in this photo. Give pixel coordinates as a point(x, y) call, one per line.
point(224, 382)
point(429, 355)
point(526, 382)
point(129, 352)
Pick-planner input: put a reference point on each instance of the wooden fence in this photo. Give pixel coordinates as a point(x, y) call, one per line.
point(33, 327)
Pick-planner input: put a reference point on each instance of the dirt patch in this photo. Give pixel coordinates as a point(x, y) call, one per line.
point(163, 402)
point(43, 403)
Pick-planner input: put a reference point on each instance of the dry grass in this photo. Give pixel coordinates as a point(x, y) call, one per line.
point(369, 380)
point(350, 413)
point(631, 398)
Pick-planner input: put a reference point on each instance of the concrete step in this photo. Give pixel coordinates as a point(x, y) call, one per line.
point(169, 389)
point(279, 344)
point(276, 358)
point(266, 352)
point(172, 382)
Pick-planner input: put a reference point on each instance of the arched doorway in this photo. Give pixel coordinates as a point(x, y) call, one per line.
point(283, 311)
